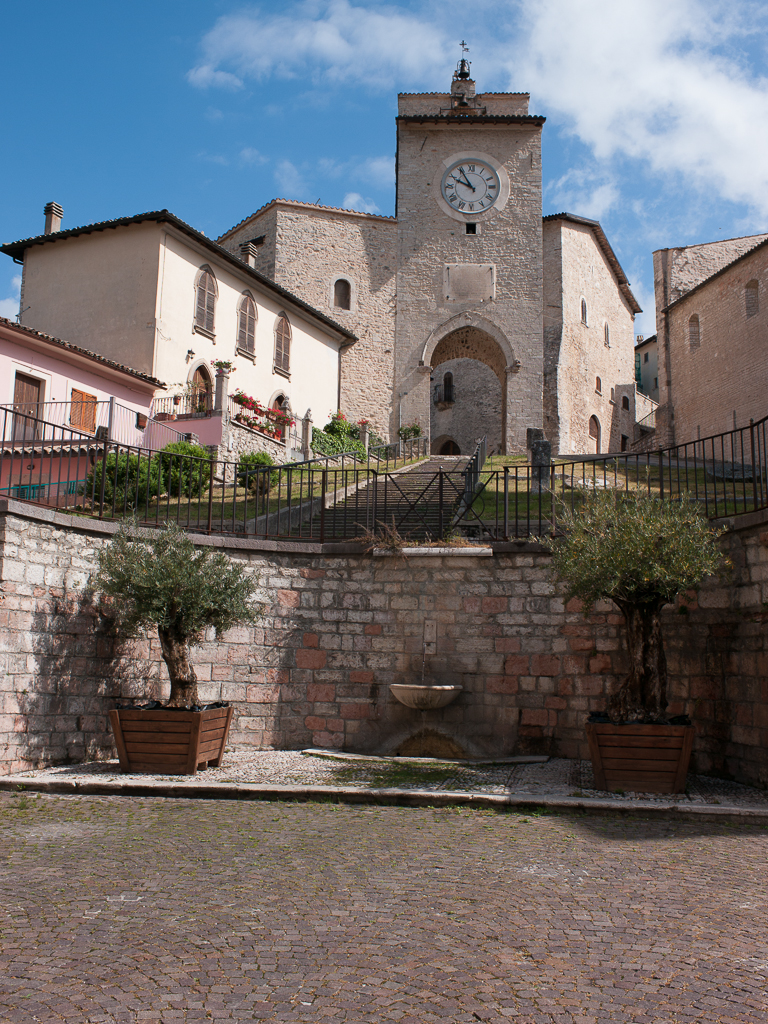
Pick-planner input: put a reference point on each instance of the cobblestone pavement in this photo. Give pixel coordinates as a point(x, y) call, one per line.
point(122, 910)
point(557, 777)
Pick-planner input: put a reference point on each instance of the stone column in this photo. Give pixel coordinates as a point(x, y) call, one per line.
point(220, 401)
point(365, 435)
point(540, 458)
point(306, 435)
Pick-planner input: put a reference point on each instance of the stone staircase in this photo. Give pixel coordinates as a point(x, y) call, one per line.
point(408, 500)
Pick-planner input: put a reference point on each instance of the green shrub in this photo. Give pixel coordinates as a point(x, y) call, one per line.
point(186, 469)
point(408, 431)
point(129, 481)
point(324, 443)
point(247, 471)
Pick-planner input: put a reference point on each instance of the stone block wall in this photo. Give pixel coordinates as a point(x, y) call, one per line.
point(340, 626)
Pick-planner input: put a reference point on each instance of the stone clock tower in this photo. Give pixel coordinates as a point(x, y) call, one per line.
point(469, 236)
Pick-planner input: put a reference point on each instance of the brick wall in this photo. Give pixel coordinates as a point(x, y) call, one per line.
point(340, 627)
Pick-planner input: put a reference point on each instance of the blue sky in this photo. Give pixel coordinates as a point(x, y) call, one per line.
point(657, 109)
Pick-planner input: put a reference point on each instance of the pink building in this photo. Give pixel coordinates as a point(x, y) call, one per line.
point(57, 401)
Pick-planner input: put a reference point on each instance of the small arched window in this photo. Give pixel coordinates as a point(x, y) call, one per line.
point(205, 300)
point(594, 432)
point(607, 336)
point(201, 391)
point(625, 402)
point(342, 294)
point(584, 311)
point(752, 298)
point(246, 325)
point(598, 386)
point(694, 332)
point(448, 387)
point(282, 345)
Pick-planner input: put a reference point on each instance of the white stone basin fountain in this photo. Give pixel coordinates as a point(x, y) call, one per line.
point(421, 696)
point(424, 698)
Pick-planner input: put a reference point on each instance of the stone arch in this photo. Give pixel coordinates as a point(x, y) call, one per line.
point(454, 338)
point(441, 441)
point(469, 335)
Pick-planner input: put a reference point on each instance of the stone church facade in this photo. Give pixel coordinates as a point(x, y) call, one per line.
point(474, 315)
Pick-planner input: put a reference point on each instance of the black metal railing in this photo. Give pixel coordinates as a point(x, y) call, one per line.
point(341, 497)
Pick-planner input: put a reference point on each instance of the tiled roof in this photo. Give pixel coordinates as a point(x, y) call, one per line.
point(16, 250)
point(473, 118)
point(608, 252)
point(69, 347)
point(717, 273)
point(308, 206)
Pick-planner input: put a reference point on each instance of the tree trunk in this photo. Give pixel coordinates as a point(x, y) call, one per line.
point(183, 679)
point(643, 694)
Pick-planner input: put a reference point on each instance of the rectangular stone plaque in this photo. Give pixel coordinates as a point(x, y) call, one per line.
point(469, 282)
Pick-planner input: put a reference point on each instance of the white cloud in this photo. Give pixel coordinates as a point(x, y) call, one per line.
point(354, 201)
point(661, 82)
point(290, 181)
point(334, 40)
point(379, 171)
point(9, 307)
point(584, 192)
point(204, 76)
point(249, 155)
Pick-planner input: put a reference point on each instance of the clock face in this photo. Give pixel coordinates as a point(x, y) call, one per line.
point(470, 186)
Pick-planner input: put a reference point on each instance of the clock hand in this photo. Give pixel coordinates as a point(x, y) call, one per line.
point(467, 182)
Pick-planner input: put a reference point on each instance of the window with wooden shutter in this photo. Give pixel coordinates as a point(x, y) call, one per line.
point(246, 325)
point(205, 303)
point(283, 346)
point(83, 411)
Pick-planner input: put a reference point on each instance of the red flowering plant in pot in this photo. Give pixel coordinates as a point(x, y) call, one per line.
point(158, 579)
point(640, 551)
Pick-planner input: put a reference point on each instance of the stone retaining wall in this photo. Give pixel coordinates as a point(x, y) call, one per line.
point(340, 626)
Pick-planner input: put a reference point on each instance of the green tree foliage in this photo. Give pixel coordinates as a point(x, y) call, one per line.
point(248, 471)
point(641, 552)
point(160, 579)
point(408, 431)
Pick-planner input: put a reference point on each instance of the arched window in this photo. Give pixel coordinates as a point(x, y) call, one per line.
point(342, 294)
point(752, 298)
point(584, 311)
point(694, 333)
point(201, 389)
point(624, 402)
point(205, 301)
point(594, 432)
point(450, 448)
point(246, 325)
point(448, 387)
point(598, 386)
point(282, 345)
point(607, 336)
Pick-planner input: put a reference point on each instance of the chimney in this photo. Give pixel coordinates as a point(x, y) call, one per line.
point(639, 338)
point(53, 214)
point(248, 253)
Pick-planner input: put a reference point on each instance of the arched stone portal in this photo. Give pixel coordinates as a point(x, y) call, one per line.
point(478, 403)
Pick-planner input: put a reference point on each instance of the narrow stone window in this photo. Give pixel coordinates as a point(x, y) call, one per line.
point(584, 311)
point(607, 336)
point(694, 333)
point(205, 301)
point(624, 402)
point(624, 442)
point(448, 387)
point(598, 386)
point(752, 298)
point(342, 294)
point(246, 325)
point(594, 432)
point(471, 229)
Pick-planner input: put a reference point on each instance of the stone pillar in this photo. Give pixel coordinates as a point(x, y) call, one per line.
point(220, 401)
point(540, 458)
point(306, 435)
point(365, 436)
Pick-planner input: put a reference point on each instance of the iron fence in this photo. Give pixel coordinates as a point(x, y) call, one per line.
point(340, 497)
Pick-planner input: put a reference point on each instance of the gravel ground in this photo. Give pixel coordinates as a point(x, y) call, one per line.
point(557, 777)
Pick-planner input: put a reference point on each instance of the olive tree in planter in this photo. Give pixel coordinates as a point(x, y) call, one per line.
point(640, 551)
point(162, 580)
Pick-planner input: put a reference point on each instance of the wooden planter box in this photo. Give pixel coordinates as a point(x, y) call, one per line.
point(640, 758)
point(170, 742)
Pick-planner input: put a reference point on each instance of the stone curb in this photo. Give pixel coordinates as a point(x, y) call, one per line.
point(389, 797)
